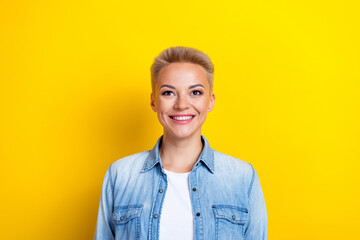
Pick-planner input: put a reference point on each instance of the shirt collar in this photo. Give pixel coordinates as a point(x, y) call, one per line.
point(206, 156)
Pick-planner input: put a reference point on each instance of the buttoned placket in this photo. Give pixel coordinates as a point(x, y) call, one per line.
point(195, 203)
point(159, 200)
point(154, 226)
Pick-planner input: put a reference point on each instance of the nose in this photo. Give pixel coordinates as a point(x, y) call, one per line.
point(181, 102)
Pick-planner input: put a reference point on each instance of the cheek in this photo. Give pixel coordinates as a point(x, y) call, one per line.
point(163, 111)
point(203, 106)
point(164, 106)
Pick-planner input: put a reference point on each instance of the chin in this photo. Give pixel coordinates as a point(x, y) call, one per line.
point(182, 134)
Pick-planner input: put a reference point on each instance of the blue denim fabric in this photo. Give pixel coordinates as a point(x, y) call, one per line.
point(226, 197)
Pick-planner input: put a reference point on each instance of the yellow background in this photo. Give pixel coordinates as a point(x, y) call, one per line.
point(75, 96)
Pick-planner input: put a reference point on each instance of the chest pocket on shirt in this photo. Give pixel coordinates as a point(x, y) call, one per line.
point(127, 221)
point(229, 221)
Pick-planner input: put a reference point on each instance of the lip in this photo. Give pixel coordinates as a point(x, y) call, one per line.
point(181, 115)
point(181, 122)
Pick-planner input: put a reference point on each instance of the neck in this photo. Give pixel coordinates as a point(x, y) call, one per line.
point(180, 155)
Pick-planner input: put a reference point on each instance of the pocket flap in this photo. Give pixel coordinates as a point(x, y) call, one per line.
point(231, 213)
point(123, 214)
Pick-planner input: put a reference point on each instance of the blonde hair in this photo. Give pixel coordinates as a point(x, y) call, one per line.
point(182, 54)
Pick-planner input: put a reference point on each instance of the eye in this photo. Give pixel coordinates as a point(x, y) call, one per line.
point(196, 92)
point(169, 93)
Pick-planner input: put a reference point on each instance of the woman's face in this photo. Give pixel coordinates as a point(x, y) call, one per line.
point(182, 99)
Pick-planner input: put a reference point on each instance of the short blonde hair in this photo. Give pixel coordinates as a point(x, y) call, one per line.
point(182, 54)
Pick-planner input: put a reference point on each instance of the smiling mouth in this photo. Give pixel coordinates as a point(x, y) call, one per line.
point(182, 118)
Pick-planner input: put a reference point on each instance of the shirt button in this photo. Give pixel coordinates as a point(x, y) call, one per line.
point(233, 217)
point(155, 216)
point(198, 214)
point(122, 218)
point(160, 190)
point(194, 189)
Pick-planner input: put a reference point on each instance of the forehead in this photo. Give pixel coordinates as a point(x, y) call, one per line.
point(182, 74)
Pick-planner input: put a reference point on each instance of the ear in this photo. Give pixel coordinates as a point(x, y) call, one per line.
point(212, 102)
point(152, 102)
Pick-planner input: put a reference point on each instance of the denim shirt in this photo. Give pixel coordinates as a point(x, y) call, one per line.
point(225, 192)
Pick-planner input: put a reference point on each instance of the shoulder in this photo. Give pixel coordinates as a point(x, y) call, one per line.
point(129, 164)
point(224, 160)
point(228, 164)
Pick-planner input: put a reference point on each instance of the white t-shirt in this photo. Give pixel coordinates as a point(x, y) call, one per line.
point(176, 221)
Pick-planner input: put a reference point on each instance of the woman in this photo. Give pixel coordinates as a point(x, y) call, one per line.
point(181, 189)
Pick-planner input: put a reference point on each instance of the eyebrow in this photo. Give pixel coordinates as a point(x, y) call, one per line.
point(169, 86)
point(192, 86)
point(196, 85)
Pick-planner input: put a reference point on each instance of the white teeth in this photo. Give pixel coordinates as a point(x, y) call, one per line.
point(183, 118)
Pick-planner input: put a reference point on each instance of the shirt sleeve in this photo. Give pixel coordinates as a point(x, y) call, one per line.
point(257, 224)
point(104, 226)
